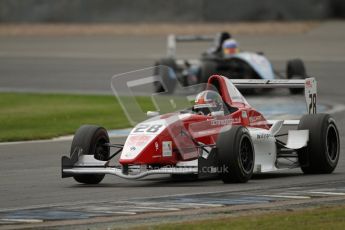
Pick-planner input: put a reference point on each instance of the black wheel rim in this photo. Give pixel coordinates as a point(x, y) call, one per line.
point(332, 146)
point(246, 154)
point(101, 151)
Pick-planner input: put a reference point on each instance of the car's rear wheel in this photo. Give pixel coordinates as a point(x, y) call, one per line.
point(166, 68)
point(207, 69)
point(236, 155)
point(295, 69)
point(322, 153)
point(90, 140)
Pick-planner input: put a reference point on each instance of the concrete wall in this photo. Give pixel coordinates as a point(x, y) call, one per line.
point(167, 10)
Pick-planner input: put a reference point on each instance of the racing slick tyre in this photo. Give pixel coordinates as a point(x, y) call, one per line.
point(90, 139)
point(207, 69)
point(295, 70)
point(236, 155)
point(168, 75)
point(321, 155)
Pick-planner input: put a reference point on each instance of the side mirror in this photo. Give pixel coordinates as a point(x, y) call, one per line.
point(217, 113)
point(152, 113)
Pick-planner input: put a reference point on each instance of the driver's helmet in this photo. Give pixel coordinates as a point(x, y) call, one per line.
point(230, 47)
point(208, 101)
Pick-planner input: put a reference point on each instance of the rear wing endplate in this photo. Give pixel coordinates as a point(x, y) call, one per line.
point(173, 39)
point(309, 85)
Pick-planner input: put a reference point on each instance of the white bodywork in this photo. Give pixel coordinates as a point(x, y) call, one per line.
point(258, 62)
point(265, 150)
point(265, 147)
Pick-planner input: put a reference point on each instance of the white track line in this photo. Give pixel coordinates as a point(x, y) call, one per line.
point(286, 196)
point(126, 213)
point(202, 204)
point(29, 142)
point(112, 134)
point(330, 193)
point(157, 208)
point(22, 220)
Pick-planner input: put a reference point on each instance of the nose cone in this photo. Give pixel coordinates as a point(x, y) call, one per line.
point(135, 144)
point(149, 143)
point(160, 141)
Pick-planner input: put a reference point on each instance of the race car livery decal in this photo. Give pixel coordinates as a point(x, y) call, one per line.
point(264, 136)
point(147, 128)
point(134, 145)
point(138, 140)
point(156, 146)
point(141, 136)
point(167, 148)
point(227, 121)
point(310, 95)
point(257, 120)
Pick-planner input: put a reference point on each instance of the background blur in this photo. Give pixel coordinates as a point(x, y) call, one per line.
point(168, 11)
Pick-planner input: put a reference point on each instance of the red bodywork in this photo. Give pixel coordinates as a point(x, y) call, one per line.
point(203, 129)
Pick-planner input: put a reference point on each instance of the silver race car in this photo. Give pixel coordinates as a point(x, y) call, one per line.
point(224, 58)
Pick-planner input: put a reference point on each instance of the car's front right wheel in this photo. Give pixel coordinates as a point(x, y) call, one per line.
point(90, 140)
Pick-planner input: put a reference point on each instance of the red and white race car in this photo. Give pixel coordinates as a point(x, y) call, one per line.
point(232, 140)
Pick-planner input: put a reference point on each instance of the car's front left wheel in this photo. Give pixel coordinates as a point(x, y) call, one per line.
point(236, 155)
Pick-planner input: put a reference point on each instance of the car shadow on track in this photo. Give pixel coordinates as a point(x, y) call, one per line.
point(265, 176)
point(204, 182)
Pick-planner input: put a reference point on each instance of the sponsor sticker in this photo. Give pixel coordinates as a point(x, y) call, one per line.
point(308, 83)
point(167, 148)
point(310, 95)
point(223, 122)
point(255, 120)
point(156, 146)
point(133, 148)
point(263, 136)
point(138, 140)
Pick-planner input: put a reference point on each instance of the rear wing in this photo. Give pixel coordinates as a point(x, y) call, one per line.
point(309, 85)
point(173, 39)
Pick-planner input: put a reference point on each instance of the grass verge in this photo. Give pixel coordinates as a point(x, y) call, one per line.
point(318, 218)
point(28, 116)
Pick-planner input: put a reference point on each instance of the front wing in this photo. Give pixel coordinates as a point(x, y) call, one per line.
point(87, 164)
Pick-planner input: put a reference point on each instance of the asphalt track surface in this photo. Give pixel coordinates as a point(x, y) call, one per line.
point(30, 172)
